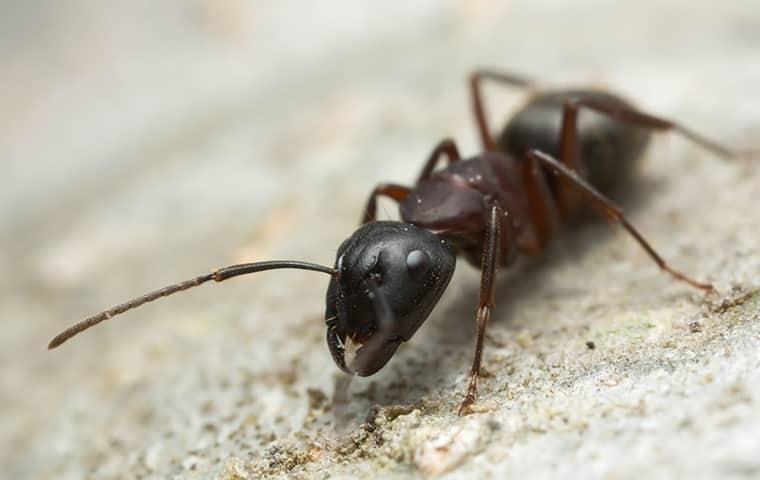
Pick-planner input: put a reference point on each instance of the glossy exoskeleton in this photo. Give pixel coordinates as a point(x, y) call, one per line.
point(510, 199)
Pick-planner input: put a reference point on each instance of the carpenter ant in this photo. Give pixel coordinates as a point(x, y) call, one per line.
point(510, 199)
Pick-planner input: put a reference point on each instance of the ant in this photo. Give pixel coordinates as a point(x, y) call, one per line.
point(508, 200)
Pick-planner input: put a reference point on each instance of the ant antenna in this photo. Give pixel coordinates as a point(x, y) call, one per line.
point(218, 275)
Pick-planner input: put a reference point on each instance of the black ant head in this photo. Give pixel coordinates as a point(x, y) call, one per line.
point(389, 277)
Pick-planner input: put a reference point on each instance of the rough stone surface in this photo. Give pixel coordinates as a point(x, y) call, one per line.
point(145, 144)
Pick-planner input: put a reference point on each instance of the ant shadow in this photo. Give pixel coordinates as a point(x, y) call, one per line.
point(414, 378)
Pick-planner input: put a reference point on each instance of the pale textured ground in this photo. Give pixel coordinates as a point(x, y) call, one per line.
point(143, 145)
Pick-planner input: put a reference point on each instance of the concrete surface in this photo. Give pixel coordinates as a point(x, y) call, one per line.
point(143, 145)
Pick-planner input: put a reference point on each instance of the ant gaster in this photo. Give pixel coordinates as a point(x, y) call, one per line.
point(508, 200)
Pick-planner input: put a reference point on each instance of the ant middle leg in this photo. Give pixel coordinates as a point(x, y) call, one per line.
point(607, 208)
point(476, 95)
point(390, 190)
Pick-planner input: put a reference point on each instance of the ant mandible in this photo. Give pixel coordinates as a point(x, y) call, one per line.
point(510, 199)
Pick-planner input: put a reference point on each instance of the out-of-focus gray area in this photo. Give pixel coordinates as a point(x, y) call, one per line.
point(143, 143)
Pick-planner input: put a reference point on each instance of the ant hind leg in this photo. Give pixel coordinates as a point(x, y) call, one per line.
point(606, 207)
point(569, 149)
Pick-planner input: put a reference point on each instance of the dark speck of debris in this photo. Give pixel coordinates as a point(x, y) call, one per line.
point(493, 425)
point(369, 420)
point(389, 414)
point(395, 411)
point(317, 398)
point(591, 345)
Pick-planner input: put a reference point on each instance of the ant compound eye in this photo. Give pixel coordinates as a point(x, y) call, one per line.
point(417, 263)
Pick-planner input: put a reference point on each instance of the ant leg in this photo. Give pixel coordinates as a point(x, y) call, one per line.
point(446, 147)
point(390, 190)
point(569, 144)
point(570, 147)
point(476, 78)
point(492, 250)
point(543, 209)
point(569, 155)
point(398, 192)
point(607, 208)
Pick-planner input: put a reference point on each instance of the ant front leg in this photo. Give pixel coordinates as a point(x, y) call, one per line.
point(607, 208)
point(395, 192)
point(446, 147)
point(493, 247)
point(398, 193)
point(476, 94)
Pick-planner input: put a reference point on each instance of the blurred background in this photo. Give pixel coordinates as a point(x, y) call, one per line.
point(144, 143)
